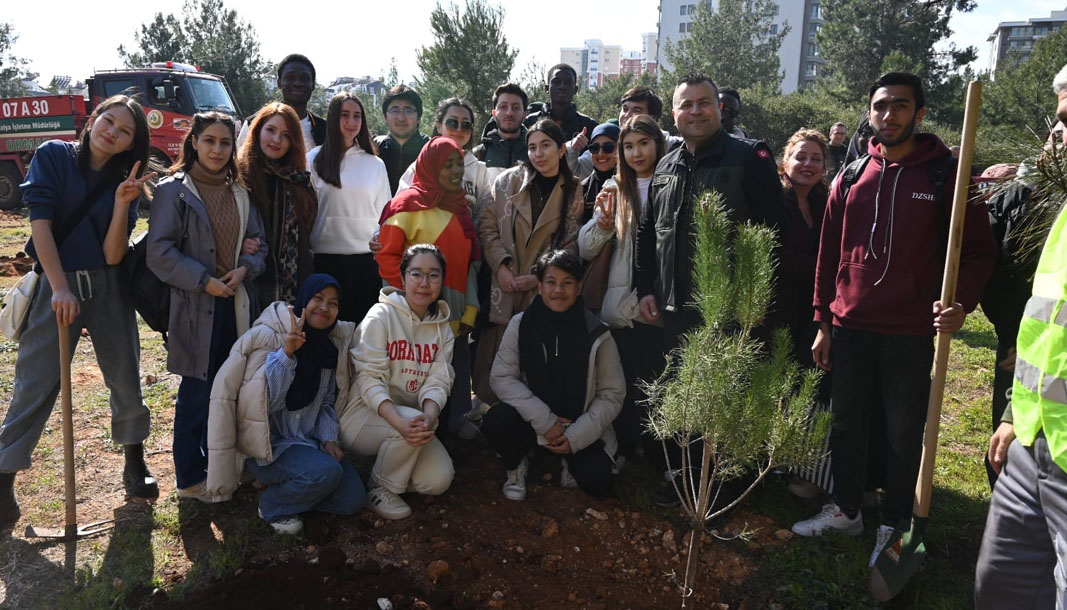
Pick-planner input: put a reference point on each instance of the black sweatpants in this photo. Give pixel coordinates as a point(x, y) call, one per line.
point(512, 437)
point(641, 353)
point(894, 370)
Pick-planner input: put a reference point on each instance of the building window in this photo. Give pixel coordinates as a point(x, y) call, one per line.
point(684, 9)
point(816, 11)
point(813, 49)
point(812, 69)
point(774, 29)
point(681, 28)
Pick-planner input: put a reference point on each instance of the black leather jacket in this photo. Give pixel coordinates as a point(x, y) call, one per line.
point(498, 152)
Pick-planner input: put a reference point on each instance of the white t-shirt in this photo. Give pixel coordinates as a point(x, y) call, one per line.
point(642, 191)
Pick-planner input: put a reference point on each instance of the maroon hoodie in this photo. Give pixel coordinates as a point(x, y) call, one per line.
point(881, 254)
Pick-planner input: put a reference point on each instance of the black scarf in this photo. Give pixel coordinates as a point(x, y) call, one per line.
point(318, 351)
point(554, 356)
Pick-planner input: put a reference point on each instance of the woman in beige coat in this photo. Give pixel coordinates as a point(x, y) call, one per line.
point(536, 207)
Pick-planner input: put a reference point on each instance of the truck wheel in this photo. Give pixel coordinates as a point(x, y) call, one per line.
point(10, 195)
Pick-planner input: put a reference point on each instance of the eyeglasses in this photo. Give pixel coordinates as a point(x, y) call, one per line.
point(395, 112)
point(419, 277)
point(455, 124)
point(607, 147)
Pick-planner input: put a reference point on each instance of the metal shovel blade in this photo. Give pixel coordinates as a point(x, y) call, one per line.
point(71, 532)
point(898, 561)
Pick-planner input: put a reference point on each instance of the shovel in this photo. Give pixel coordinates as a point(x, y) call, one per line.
point(70, 530)
point(905, 550)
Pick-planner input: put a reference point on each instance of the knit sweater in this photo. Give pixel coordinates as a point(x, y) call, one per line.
point(221, 212)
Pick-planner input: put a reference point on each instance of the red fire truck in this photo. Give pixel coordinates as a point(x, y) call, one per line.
point(170, 92)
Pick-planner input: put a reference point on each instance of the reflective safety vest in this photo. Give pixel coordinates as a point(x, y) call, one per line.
point(1039, 392)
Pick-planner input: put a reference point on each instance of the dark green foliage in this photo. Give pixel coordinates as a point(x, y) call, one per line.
point(12, 67)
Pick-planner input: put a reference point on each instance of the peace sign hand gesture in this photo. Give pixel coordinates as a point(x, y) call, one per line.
point(130, 188)
point(294, 337)
point(606, 202)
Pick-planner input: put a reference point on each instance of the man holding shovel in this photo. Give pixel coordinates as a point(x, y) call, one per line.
point(877, 283)
point(1023, 561)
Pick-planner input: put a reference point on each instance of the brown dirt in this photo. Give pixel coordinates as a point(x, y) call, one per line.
point(15, 266)
point(471, 548)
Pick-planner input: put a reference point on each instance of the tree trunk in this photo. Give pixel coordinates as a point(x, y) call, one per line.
point(691, 565)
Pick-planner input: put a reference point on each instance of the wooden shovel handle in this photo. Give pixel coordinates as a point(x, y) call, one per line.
point(71, 518)
point(948, 296)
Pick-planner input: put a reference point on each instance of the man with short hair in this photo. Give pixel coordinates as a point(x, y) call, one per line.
point(838, 149)
point(644, 100)
point(877, 285)
point(296, 81)
point(402, 109)
point(562, 86)
point(731, 111)
point(504, 144)
point(1023, 558)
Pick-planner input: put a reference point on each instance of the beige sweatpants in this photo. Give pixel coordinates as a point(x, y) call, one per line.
point(401, 468)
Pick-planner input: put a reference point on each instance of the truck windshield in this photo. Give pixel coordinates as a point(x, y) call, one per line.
point(210, 94)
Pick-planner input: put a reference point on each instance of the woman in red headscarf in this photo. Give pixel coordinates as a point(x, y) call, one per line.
point(433, 210)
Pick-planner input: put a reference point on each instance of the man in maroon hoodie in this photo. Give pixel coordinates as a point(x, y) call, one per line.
point(877, 284)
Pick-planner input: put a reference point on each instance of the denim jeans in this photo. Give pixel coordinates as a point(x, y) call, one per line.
point(304, 478)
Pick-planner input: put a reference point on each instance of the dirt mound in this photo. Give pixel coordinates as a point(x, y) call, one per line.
point(15, 266)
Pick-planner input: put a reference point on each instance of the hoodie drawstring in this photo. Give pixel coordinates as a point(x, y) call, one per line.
point(887, 244)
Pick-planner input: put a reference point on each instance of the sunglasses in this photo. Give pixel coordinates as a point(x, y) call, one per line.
point(455, 124)
point(607, 147)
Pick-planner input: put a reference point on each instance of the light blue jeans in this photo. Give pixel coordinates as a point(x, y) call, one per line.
point(304, 478)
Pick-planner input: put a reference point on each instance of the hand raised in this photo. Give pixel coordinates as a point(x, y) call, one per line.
point(294, 337)
point(606, 203)
point(580, 141)
point(130, 188)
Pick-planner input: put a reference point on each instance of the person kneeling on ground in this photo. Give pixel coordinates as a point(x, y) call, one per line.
point(560, 381)
point(273, 401)
point(403, 380)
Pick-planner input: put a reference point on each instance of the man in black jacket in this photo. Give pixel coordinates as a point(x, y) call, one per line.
point(562, 85)
point(504, 143)
point(296, 81)
point(402, 108)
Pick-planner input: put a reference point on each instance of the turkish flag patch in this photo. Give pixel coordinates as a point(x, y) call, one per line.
point(764, 154)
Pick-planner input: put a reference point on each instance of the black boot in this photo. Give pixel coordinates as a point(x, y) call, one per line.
point(136, 478)
point(9, 507)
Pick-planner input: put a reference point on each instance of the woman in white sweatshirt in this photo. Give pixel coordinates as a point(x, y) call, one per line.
point(403, 378)
point(353, 188)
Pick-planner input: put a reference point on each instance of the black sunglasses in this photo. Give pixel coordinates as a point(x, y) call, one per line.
point(607, 147)
point(455, 124)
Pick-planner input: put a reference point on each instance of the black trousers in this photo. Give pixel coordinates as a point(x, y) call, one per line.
point(868, 369)
point(641, 353)
point(512, 437)
point(359, 279)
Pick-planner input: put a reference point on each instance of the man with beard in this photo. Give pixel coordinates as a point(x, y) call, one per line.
point(877, 284)
point(402, 108)
point(504, 143)
point(742, 171)
point(296, 81)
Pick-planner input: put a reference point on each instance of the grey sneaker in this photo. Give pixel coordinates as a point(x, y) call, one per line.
point(830, 518)
point(515, 485)
point(387, 504)
point(885, 532)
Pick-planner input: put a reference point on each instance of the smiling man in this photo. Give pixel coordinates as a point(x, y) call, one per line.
point(402, 108)
point(877, 284)
point(504, 143)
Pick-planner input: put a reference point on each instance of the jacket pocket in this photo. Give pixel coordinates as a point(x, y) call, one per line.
point(863, 292)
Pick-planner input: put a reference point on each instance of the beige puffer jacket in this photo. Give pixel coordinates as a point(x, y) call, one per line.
point(238, 424)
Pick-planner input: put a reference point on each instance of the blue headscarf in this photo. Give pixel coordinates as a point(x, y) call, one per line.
point(318, 351)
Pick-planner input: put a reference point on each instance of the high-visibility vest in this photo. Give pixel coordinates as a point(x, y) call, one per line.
point(1039, 392)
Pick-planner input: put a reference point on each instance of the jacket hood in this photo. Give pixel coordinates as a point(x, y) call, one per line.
point(394, 297)
point(927, 148)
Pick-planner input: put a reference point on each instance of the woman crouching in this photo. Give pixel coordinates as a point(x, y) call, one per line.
point(404, 378)
point(560, 383)
point(282, 417)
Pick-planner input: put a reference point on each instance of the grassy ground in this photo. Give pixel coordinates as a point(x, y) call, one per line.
point(154, 547)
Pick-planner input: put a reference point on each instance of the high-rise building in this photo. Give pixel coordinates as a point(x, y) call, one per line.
point(1017, 38)
point(799, 55)
point(595, 62)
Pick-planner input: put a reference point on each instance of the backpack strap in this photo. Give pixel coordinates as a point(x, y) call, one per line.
point(851, 174)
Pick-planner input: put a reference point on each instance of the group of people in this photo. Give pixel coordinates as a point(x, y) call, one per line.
point(337, 294)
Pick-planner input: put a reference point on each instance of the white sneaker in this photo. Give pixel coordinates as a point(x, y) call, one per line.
point(387, 504)
point(290, 526)
point(199, 492)
point(831, 518)
point(515, 485)
point(885, 532)
point(566, 479)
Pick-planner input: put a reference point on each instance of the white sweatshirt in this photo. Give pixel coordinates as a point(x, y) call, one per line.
point(348, 216)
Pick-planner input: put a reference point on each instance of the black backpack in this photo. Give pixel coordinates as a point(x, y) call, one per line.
point(150, 295)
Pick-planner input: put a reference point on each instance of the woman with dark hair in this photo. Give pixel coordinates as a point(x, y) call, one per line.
point(560, 384)
point(614, 224)
point(536, 207)
point(403, 379)
point(201, 216)
point(80, 287)
point(353, 188)
point(272, 165)
point(455, 121)
point(434, 211)
point(274, 401)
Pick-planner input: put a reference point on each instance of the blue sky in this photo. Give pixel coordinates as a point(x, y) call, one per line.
point(360, 40)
